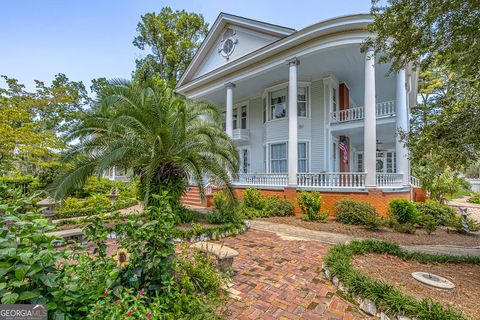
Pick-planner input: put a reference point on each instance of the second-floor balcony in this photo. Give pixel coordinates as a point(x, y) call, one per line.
point(382, 109)
point(241, 135)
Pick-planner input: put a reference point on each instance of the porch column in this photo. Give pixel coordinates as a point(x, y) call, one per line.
point(229, 107)
point(402, 125)
point(370, 134)
point(292, 122)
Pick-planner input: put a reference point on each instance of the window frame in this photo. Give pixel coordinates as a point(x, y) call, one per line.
point(268, 104)
point(270, 145)
point(307, 156)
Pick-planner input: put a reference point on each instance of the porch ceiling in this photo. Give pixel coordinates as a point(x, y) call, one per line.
point(344, 63)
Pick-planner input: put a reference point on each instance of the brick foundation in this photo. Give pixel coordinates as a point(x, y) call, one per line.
point(376, 197)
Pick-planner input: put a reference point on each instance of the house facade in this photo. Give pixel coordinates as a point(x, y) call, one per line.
point(308, 109)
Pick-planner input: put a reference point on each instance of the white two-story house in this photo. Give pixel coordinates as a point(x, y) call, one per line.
point(308, 109)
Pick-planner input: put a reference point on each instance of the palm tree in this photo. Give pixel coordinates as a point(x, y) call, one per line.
point(163, 137)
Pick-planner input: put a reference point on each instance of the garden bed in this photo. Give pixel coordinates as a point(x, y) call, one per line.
point(442, 236)
point(396, 271)
point(376, 296)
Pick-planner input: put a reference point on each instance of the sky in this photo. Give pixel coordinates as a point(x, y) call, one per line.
point(87, 39)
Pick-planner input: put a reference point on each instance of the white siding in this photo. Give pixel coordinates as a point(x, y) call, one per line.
point(317, 128)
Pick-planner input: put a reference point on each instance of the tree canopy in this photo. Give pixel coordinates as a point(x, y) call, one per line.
point(173, 38)
point(440, 39)
point(32, 123)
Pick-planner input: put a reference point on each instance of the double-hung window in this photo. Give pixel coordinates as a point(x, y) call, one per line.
point(278, 104)
point(302, 157)
point(278, 158)
point(302, 106)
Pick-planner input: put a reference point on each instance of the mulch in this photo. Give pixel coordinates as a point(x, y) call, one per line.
point(442, 236)
point(466, 277)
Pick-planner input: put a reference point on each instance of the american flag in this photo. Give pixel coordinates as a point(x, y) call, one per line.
point(343, 147)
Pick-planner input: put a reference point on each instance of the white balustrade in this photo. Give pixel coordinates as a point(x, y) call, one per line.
point(262, 179)
point(389, 179)
point(415, 182)
point(332, 179)
point(383, 109)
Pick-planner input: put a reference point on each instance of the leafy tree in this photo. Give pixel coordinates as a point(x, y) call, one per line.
point(164, 138)
point(441, 38)
point(31, 123)
point(173, 38)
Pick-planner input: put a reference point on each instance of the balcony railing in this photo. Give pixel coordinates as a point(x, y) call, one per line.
point(241, 135)
point(415, 182)
point(389, 179)
point(382, 109)
point(262, 179)
point(332, 179)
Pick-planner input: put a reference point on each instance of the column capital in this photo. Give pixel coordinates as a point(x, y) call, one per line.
point(293, 61)
point(229, 85)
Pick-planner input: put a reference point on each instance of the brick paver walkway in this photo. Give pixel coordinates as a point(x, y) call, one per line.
point(282, 279)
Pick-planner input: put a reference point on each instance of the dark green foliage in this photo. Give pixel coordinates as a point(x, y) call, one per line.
point(443, 214)
point(473, 225)
point(186, 215)
point(387, 297)
point(276, 207)
point(403, 210)
point(357, 213)
point(311, 205)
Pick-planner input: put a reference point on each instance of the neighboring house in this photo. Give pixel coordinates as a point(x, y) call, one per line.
point(308, 109)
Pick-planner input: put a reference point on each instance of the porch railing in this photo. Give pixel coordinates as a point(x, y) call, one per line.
point(389, 179)
point(382, 109)
point(415, 182)
point(332, 179)
point(263, 179)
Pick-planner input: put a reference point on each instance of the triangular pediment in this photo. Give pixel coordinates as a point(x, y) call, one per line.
point(230, 38)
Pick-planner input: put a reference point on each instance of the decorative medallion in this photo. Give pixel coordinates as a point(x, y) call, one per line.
point(227, 46)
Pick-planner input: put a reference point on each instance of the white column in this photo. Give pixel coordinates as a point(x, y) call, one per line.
point(370, 134)
point(402, 125)
point(229, 107)
point(292, 122)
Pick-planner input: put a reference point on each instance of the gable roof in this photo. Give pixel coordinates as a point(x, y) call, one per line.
point(220, 23)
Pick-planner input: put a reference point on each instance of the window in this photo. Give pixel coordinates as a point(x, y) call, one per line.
point(244, 160)
point(278, 158)
point(278, 106)
point(235, 118)
point(243, 117)
point(391, 168)
point(359, 162)
point(264, 110)
point(302, 157)
point(302, 102)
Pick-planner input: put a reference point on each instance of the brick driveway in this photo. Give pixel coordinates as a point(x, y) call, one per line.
point(282, 279)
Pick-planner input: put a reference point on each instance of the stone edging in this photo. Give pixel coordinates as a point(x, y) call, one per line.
point(217, 235)
point(366, 305)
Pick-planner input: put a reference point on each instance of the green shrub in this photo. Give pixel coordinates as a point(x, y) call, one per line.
point(276, 207)
point(408, 228)
point(475, 199)
point(252, 198)
point(427, 222)
point(443, 214)
point(473, 226)
point(356, 213)
point(403, 210)
point(225, 210)
point(249, 213)
point(310, 204)
point(72, 203)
